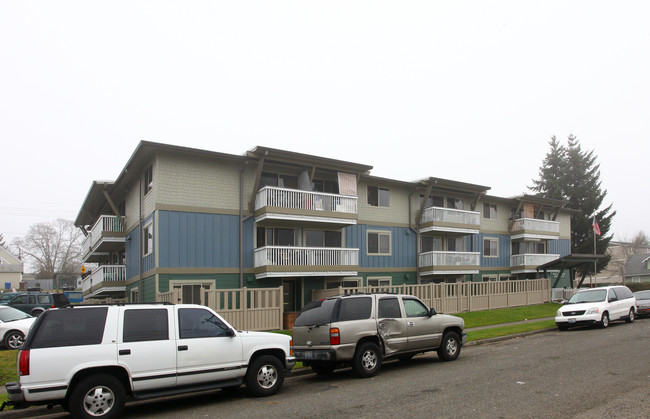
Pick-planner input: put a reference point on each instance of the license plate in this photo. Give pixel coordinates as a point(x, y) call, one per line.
point(308, 354)
point(572, 320)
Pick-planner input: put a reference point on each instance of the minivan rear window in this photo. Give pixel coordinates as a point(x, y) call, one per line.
point(70, 327)
point(316, 313)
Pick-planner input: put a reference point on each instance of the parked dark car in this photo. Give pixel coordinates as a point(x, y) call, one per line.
point(642, 303)
point(35, 303)
point(5, 297)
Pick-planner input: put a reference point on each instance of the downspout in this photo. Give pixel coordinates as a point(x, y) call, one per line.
point(241, 226)
point(141, 258)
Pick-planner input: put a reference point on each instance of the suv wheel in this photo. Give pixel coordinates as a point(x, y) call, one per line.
point(14, 339)
point(630, 317)
point(450, 347)
point(323, 368)
point(97, 396)
point(367, 360)
point(265, 376)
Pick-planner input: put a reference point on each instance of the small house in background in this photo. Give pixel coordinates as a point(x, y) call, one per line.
point(637, 268)
point(11, 270)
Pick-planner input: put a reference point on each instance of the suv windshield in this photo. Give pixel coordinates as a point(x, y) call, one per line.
point(588, 297)
point(316, 313)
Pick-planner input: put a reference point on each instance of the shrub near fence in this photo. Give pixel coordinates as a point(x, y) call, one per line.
point(244, 308)
point(462, 296)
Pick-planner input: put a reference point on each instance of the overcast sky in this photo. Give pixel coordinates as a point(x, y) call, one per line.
point(463, 90)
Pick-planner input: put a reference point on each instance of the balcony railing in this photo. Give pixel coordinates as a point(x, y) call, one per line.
point(448, 260)
point(447, 219)
point(293, 199)
point(533, 226)
point(106, 225)
point(531, 259)
point(104, 274)
point(290, 256)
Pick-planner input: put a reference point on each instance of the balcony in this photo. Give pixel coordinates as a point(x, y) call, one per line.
point(105, 281)
point(279, 204)
point(106, 235)
point(283, 261)
point(450, 221)
point(533, 229)
point(528, 262)
point(450, 263)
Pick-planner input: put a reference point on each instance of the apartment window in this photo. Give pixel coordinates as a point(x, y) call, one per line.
point(147, 243)
point(378, 197)
point(279, 180)
point(327, 186)
point(275, 237)
point(455, 203)
point(345, 283)
point(148, 179)
point(487, 278)
point(378, 243)
point(507, 277)
point(430, 244)
point(489, 210)
point(455, 244)
point(135, 296)
point(322, 238)
point(520, 248)
point(491, 248)
point(380, 282)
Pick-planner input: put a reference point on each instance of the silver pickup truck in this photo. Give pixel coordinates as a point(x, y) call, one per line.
point(362, 329)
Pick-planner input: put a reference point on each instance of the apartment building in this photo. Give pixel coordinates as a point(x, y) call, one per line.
point(188, 219)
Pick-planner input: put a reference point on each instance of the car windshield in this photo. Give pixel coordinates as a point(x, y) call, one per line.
point(588, 297)
point(642, 295)
point(8, 314)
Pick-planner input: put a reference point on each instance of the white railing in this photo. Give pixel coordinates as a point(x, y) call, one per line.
point(305, 256)
point(447, 215)
point(449, 259)
point(532, 224)
point(105, 223)
point(104, 273)
point(531, 259)
point(270, 196)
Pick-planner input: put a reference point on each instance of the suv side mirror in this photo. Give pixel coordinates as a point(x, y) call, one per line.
point(230, 333)
point(432, 312)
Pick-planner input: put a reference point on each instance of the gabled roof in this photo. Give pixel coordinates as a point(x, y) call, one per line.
point(284, 156)
point(637, 265)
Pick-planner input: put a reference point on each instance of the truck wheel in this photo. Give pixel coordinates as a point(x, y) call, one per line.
point(97, 396)
point(367, 360)
point(323, 368)
point(265, 376)
point(14, 339)
point(450, 347)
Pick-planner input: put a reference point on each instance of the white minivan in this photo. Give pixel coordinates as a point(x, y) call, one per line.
point(597, 306)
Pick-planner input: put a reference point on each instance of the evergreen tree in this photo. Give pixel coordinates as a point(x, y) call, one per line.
point(573, 175)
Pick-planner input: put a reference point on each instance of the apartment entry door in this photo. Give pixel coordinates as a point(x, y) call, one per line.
point(291, 289)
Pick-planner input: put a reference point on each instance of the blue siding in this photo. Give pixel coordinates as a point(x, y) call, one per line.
point(196, 240)
point(503, 261)
point(560, 247)
point(403, 246)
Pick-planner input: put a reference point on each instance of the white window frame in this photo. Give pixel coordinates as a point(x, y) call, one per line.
point(146, 248)
point(148, 172)
point(488, 278)
point(379, 234)
point(379, 203)
point(496, 211)
point(491, 239)
point(134, 295)
point(379, 280)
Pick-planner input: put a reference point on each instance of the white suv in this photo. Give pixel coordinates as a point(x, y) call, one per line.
point(597, 306)
point(90, 359)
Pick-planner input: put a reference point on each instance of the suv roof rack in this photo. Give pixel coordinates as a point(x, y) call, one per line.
point(162, 303)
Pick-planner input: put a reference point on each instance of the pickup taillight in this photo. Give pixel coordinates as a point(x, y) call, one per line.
point(335, 336)
point(23, 363)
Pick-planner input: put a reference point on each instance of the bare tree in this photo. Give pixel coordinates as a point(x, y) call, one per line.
point(52, 247)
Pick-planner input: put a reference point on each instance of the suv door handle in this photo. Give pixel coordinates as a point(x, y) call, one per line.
point(410, 323)
point(125, 352)
point(182, 348)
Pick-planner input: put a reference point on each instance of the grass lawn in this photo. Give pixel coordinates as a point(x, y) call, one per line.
point(507, 315)
point(509, 330)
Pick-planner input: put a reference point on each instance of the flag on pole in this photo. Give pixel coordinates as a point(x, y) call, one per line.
point(596, 227)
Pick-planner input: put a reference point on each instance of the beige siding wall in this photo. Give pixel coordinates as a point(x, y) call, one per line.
point(132, 205)
point(498, 225)
point(13, 277)
point(396, 214)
